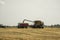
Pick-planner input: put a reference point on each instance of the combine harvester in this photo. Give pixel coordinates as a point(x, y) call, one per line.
point(37, 24)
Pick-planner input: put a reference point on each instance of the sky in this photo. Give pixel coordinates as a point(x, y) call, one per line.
point(14, 11)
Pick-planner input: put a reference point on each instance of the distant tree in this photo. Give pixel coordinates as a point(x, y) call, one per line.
point(1, 26)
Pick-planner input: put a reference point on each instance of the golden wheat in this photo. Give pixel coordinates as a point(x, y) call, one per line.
point(29, 34)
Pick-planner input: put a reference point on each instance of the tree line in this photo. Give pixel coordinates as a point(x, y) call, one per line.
point(49, 26)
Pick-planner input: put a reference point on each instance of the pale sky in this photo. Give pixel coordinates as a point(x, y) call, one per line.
point(15, 11)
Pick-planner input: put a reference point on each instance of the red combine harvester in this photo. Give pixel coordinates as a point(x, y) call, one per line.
point(37, 24)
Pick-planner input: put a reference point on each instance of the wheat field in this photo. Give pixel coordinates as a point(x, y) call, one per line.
point(29, 34)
